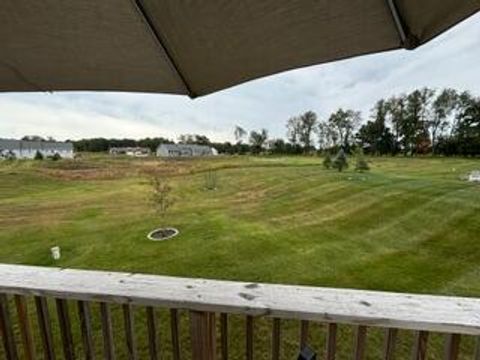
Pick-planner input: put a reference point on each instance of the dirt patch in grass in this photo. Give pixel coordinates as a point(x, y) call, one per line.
point(86, 174)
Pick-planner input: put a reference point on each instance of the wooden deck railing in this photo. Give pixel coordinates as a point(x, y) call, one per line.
point(209, 304)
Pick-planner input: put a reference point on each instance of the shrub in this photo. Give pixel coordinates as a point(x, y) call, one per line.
point(7, 155)
point(361, 164)
point(327, 162)
point(55, 157)
point(340, 162)
point(38, 156)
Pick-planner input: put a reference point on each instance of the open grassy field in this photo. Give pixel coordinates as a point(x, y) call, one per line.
point(410, 225)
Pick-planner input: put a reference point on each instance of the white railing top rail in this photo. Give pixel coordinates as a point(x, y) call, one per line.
point(372, 308)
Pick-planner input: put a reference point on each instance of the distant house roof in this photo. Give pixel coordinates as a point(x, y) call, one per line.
point(11, 144)
point(193, 147)
point(129, 148)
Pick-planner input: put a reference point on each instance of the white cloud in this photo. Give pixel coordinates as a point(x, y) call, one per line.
point(451, 60)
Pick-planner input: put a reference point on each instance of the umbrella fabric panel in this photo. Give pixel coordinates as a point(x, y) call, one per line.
point(80, 44)
point(217, 44)
point(197, 47)
point(428, 18)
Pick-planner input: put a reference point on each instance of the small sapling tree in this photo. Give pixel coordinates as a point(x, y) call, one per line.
point(327, 162)
point(161, 197)
point(340, 162)
point(211, 179)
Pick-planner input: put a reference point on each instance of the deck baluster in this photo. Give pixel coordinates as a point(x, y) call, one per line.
point(84, 316)
point(152, 333)
point(203, 336)
point(360, 342)
point(65, 329)
point(390, 342)
point(45, 327)
point(6, 330)
point(452, 346)
point(276, 334)
point(224, 335)
point(174, 329)
point(25, 327)
point(107, 331)
point(420, 345)
point(128, 322)
point(331, 341)
point(303, 334)
point(249, 337)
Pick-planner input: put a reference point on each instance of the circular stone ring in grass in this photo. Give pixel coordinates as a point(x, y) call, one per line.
point(162, 234)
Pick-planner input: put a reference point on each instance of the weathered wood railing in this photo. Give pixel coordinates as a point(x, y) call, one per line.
point(208, 301)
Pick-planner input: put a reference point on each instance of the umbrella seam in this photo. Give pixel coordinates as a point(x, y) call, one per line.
point(408, 40)
point(22, 77)
point(140, 10)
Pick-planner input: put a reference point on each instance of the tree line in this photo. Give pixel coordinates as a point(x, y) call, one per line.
point(445, 122)
point(424, 121)
point(103, 145)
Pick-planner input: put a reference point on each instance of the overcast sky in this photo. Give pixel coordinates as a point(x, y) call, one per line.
point(451, 60)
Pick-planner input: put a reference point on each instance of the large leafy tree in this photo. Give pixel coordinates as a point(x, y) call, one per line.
point(395, 117)
point(239, 134)
point(327, 136)
point(308, 120)
point(258, 139)
point(467, 126)
point(344, 123)
point(442, 108)
point(413, 124)
point(294, 128)
point(375, 136)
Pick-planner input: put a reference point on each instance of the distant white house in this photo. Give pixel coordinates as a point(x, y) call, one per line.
point(130, 151)
point(185, 150)
point(20, 149)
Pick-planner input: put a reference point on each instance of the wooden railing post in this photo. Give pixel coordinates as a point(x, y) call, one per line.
point(203, 336)
point(331, 341)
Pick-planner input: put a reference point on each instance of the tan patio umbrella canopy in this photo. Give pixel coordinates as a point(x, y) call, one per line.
point(196, 47)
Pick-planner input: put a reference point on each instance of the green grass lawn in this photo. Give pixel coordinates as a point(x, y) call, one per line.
point(410, 225)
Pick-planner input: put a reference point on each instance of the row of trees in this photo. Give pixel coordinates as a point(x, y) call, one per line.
point(445, 122)
point(424, 121)
point(102, 144)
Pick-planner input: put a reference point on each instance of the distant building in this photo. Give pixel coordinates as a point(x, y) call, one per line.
point(20, 149)
point(185, 150)
point(130, 151)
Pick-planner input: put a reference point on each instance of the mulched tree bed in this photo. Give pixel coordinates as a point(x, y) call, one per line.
point(162, 234)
